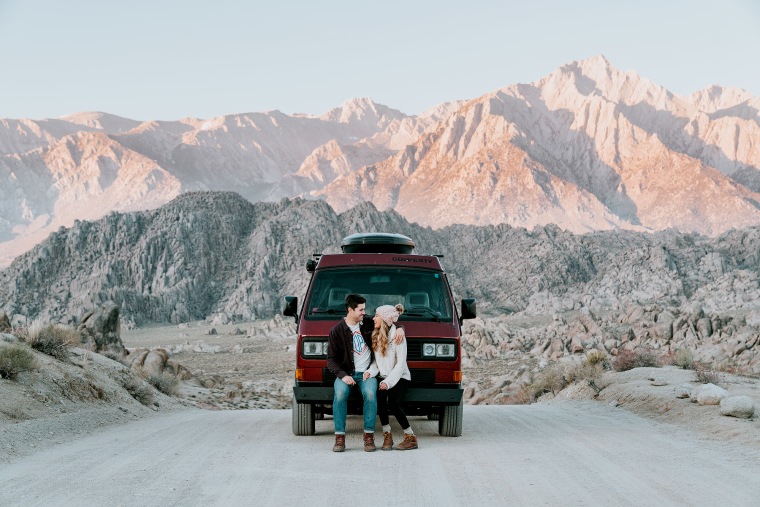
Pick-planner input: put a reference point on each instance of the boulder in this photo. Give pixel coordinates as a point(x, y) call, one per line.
point(101, 330)
point(710, 394)
point(5, 323)
point(704, 327)
point(154, 361)
point(737, 406)
point(8, 338)
point(683, 391)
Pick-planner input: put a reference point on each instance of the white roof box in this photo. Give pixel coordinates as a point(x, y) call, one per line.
point(377, 242)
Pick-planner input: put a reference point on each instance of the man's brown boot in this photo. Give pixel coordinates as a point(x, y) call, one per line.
point(387, 441)
point(410, 442)
point(369, 442)
point(340, 443)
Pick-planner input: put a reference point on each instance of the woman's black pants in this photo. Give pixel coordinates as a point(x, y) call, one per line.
point(389, 402)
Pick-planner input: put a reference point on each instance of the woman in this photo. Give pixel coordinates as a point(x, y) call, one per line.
point(390, 366)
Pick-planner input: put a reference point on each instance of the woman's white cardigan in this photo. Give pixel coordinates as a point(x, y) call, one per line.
point(392, 366)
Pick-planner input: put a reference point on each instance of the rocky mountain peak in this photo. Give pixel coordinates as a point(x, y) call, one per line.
point(715, 98)
point(109, 123)
point(362, 110)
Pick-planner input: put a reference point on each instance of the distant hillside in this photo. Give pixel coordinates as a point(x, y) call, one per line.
point(214, 252)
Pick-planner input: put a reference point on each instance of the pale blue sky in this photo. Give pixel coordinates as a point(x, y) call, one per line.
point(167, 59)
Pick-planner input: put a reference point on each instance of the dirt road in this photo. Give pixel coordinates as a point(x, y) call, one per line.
point(563, 453)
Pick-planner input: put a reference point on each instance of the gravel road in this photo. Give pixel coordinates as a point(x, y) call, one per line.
point(560, 453)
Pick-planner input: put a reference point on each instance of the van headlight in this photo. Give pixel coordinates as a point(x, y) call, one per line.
point(444, 350)
point(314, 349)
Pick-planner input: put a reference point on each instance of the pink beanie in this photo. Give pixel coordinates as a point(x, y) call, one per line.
point(389, 313)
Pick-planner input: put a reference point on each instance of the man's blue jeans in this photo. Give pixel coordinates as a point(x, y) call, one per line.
point(368, 389)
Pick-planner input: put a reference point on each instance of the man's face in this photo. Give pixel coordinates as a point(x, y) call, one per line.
point(356, 314)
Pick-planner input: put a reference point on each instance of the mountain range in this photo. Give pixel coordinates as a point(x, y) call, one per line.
point(588, 148)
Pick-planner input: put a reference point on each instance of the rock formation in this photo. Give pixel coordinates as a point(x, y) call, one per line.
point(101, 330)
point(547, 292)
point(5, 322)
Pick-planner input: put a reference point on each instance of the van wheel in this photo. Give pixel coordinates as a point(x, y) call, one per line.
point(434, 417)
point(303, 418)
point(450, 423)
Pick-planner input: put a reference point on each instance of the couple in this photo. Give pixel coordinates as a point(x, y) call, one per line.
point(359, 351)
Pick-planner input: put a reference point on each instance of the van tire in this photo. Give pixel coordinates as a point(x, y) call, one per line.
point(450, 422)
point(303, 418)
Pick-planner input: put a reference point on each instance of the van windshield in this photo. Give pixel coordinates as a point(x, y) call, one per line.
point(424, 294)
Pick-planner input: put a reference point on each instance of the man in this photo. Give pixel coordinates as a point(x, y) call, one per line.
point(349, 354)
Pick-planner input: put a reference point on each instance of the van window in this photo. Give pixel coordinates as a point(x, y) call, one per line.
point(424, 294)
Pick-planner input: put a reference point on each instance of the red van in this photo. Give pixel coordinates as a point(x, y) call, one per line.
point(383, 268)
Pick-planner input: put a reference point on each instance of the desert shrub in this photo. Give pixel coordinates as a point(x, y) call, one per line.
point(684, 359)
point(164, 382)
point(53, 341)
point(588, 372)
point(138, 389)
point(706, 375)
point(639, 358)
point(14, 359)
point(557, 376)
point(31, 331)
point(551, 380)
point(523, 396)
point(596, 356)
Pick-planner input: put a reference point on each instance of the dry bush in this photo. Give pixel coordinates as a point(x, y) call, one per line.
point(14, 359)
point(524, 396)
point(684, 359)
point(164, 382)
point(551, 380)
point(557, 376)
point(638, 358)
point(706, 375)
point(31, 331)
point(138, 389)
point(596, 356)
point(586, 371)
point(50, 339)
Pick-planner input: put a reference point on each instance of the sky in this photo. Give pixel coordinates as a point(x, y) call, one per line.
point(167, 59)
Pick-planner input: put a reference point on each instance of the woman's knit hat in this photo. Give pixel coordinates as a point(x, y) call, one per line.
point(389, 313)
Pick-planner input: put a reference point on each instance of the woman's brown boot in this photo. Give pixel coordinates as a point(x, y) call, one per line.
point(410, 442)
point(387, 441)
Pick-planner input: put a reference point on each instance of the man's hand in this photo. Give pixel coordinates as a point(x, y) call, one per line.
point(383, 386)
point(366, 375)
point(400, 335)
point(349, 380)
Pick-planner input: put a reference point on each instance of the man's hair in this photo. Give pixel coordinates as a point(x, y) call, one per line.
point(354, 300)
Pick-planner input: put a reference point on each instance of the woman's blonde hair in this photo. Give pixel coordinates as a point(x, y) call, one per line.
point(380, 335)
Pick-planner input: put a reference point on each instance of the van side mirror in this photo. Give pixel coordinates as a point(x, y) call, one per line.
point(469, 309)
point(291, 307)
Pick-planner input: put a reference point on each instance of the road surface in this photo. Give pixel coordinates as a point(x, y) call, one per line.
point(571, 453)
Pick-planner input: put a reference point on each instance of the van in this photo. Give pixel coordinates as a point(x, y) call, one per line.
point(384, 270)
